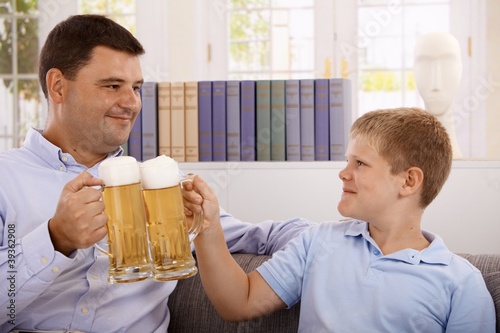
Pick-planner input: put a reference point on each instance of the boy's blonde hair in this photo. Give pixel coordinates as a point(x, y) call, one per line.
point(409, 137)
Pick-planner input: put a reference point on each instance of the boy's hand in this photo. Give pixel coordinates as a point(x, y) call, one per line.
point(199, 196)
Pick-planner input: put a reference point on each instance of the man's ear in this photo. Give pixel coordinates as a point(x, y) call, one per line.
point(413, 181)
point(55, 84)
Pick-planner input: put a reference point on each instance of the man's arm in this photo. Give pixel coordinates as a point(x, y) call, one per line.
point(265, 237)
point(32, 261)
point(236, 295)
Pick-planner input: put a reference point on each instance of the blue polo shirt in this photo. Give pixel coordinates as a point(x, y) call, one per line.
point(346, 284)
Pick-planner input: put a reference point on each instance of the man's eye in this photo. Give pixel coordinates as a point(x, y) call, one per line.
point(360, 163)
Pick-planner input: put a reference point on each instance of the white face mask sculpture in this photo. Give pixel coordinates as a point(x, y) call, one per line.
point(438, 69)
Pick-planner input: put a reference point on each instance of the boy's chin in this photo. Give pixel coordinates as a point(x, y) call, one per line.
point(343, 210)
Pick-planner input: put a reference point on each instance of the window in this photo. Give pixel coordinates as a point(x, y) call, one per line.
point(270, 39)
point(121, 11)
point(387, 35)
point(19, 88)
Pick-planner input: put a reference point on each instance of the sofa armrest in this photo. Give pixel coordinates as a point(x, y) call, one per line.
point(191, 310)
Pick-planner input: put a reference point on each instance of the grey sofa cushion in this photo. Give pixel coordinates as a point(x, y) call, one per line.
point(191, 310)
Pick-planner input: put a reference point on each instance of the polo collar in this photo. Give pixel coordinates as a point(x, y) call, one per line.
point(435, 253)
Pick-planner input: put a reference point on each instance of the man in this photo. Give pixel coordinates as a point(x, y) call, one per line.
point(50, 209)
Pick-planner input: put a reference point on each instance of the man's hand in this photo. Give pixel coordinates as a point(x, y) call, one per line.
point(78, 222)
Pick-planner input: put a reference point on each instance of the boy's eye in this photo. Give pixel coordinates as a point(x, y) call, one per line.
point(360, 163)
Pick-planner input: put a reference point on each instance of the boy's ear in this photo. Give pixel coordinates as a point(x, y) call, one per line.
point(55, 83)
point(413, 181)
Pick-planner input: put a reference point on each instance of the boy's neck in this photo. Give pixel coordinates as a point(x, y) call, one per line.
point(396, 239)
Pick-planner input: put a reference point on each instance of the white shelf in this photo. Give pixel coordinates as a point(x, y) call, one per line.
point(466, 213)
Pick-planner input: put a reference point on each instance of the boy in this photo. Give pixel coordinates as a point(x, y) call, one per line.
point(378, 272)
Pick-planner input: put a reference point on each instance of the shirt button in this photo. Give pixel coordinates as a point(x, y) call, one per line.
point(94, 277)
point(44, 260)
point(376, 252)
point(64, 159)
point(55, 269)
point(84, 310)
point(61, 168)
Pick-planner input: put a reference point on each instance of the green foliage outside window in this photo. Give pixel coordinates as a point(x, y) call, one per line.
point(384, 80)
point(27, 45)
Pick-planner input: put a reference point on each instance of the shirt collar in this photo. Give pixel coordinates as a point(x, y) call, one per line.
point(435, 253)
point(50, 153)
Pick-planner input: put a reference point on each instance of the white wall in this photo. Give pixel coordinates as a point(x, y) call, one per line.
point(466, 213)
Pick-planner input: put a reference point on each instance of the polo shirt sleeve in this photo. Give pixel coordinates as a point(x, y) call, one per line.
point(471, 299)
point(285, 271)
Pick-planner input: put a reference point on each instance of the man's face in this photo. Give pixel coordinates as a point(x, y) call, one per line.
point(369, 188)
point(438, 70)
point(103, 100)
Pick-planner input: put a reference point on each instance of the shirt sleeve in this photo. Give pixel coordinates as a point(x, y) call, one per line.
point(285, 271)
point(472, 308)
point(29, 264)
point(265, 237)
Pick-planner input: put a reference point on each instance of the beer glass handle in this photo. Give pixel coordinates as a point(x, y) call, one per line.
point(103, 250)
point(195, 228)
point(197, 224)
point(101, 188)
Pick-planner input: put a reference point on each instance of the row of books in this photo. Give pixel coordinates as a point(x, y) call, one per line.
point(248, 120)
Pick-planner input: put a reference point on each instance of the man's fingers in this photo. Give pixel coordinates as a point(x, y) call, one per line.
point(82, 180)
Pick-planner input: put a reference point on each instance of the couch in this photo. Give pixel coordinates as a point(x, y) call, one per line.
point(193, 312)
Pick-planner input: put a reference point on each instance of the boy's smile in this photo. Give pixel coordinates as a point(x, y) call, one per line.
point(369, 188)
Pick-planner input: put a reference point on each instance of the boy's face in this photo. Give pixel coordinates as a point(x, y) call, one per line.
point(369, 188)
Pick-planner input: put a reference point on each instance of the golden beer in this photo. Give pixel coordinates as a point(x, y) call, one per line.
point(168, 234)
point(128, 247)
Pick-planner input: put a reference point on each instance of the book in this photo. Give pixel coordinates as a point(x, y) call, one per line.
point(233, 120)
point(278, 120)
point(292, 120)
point(219, 151)
point(177, 123)
point(149, 120)
point(205, 120)
point(164, 142)
point(263, 119)
point(191, 121)
point(321, 120)
point(340, 117)
point(248, 120)
point(134, 142)
point(307, 119)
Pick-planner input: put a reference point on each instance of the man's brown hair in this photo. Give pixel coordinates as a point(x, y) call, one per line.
point(70, 44)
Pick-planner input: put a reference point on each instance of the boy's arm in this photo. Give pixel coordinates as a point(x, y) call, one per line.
point(236, 295)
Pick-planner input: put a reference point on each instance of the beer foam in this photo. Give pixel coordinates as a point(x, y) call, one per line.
point(159, 172)
point(121, 170)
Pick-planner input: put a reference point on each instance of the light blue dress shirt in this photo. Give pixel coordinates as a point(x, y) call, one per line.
point(346, 284)
point(47, 290)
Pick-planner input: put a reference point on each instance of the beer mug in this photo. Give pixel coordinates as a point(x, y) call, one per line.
point(129, 254)
point(169, 236)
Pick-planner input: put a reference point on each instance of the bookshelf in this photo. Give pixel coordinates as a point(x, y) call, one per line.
point(466, 213)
